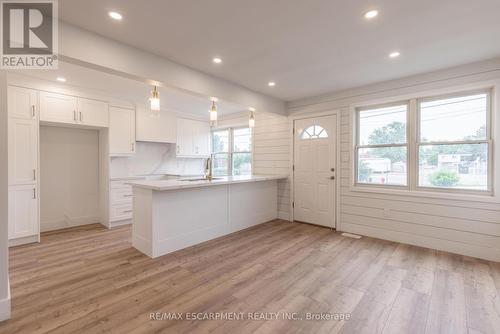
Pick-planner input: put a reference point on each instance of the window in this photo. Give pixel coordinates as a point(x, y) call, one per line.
point(314, 132)
point(450, 147)
point(232, 151)
point(453, 142)
point(382, 145)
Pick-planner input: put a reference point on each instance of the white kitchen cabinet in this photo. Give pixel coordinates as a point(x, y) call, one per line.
point(193, 138)
point(23, 212)
point(58, 108)
point(121, 131)
point(22, 103)
point(61, 108)
point(23, 151)
point(154, 129)
point(92, 112)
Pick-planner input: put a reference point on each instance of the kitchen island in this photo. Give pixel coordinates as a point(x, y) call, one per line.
point(174, 214)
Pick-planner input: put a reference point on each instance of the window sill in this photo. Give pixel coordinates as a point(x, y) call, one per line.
point(486, 198)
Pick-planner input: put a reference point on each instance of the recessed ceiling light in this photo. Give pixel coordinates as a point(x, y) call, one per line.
point(115, 16)
point(394, 54)
point(371, 14)
point(61, 79)
point(271, 83)
point(217, 60)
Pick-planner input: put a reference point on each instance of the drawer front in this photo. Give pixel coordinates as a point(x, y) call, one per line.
point(119, 195)
point(121, 212)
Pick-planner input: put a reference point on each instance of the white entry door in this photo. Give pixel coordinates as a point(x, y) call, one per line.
point(314, 170)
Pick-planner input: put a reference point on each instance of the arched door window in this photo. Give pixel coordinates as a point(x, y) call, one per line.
point(314, 132)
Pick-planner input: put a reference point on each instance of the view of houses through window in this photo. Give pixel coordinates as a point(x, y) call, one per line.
point(452, 143)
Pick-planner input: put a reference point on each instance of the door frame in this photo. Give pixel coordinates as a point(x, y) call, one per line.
point(291, 119)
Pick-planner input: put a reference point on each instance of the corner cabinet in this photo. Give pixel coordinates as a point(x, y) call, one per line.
point(61, 108)
point(121, 131)
point(193, 138)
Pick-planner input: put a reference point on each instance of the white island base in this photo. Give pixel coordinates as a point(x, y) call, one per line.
point(171, 215)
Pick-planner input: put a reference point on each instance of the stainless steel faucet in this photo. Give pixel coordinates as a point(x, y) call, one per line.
point(208, 168)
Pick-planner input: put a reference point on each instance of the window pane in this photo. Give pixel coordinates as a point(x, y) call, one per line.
point(242, 140)
point(220, 164)
point(314, 132)
point(454, 119)
point(383, 125)
point(463, 166)
point(382, 165)
point(220, 141)
point(242, 163)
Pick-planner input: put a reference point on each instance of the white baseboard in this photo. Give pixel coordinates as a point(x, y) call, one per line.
point(5, 306)
point(23, 241)
point(69, 222)
point(119, 223)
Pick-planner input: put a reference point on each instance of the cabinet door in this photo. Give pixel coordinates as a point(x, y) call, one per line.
point(153, 129)
point(22, 102)
point(58, 108)
point(23, 151)
point(201, 139)
point(23, 212)
point(121, 131)
point(93, 112)
point(185, 140)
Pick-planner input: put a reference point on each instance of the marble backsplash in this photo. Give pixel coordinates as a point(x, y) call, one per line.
point(154, 158)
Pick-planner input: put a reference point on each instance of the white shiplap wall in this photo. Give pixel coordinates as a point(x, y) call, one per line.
point(271, 151)
point(468, 226)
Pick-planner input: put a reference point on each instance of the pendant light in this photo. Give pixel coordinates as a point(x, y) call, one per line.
point(251, 119)
point(155, 102)
point(213, 114)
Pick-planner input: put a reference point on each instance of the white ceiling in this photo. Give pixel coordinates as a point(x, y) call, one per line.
point(308, 47)
point(132, 91)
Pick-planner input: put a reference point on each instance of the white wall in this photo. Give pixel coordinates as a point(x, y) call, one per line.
point(154, 158)
point(464, 225)
point(271, 150)
point(4, 261)
point(69, 183)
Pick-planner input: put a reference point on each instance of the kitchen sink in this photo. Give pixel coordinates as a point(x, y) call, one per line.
point(200, 179)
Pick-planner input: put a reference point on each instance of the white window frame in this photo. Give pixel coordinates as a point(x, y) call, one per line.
point(358, 146)
point(230, 152)
point(488, 141)
point(413, 142)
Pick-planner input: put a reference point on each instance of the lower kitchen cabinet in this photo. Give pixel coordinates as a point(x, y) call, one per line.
point(23, 214)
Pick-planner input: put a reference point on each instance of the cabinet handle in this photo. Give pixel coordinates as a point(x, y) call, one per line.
point(33, 111)
point(34, 174)
point(132, 147)
point(178, 148)
point(127, 211)
point(74, 115)
point(81, 116)
point(128, 195)
point(34, 193)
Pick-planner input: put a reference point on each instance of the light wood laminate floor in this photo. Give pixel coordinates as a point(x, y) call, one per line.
point(90, 280)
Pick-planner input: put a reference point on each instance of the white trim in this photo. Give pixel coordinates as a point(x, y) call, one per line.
point(490, 86)
point(5, 306)
point(292, 118)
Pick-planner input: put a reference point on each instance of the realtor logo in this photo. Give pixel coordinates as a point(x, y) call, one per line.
point(29, 34)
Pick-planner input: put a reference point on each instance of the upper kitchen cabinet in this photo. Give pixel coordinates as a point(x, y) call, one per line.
point(154, 129)
point(58, 108)
point(22, 103)
point(92, 112)
point(61, 108)
point(193, 138)
point(121, 131)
